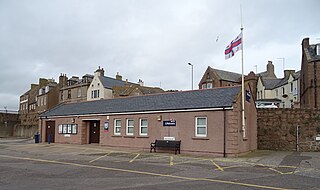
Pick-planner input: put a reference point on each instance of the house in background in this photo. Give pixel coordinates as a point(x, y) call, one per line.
point(310, 75)
point(210, 125)
point(75, 89)
point(283, 93)
point(103, 87)
point(39, 98)
point(213, 78)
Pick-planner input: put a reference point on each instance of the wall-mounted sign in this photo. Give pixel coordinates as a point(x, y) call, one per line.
point(169, 123)
point(106, 126)
point(169, 138)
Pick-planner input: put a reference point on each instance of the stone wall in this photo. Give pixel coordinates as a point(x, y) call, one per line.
point(7, 123)
point(277, 129)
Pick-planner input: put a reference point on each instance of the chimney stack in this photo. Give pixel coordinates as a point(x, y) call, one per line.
point(63, 79)
point(99, 72)
point(305, 43)
point(118, 77)
point(141, 83)
point(288, 72)
point(43, 82)
point(270, 67)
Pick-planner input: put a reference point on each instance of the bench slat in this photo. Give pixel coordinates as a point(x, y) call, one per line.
point(175, 145)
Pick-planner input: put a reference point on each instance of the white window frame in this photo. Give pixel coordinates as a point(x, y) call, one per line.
point(131, 126)
point(143, 126)
point(209, 85)
point(205, 126)
point(116, 126)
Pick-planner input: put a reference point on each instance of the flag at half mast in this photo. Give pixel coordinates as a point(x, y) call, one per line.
point(233, 47)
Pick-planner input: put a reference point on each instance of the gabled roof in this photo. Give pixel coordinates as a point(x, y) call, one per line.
point(109, 82)
point(275, 83)
point(183, 100)
point(226, 75)
point(270, 84)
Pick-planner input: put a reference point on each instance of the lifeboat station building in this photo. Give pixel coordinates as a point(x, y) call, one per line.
point(207, 121)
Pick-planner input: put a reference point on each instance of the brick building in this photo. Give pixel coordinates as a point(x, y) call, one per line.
point(206, 121)
point(310, 75)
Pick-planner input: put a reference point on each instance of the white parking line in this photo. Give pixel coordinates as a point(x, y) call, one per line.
point(99, 157)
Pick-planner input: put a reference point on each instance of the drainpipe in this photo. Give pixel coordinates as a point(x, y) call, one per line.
point(224, 133)
point(40, 131)
point(297, 138)
point(315, 84)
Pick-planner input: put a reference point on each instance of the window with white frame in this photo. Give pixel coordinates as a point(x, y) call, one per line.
point(130, 127)
point(143, 129)
point(201, 126)
point(117, 127)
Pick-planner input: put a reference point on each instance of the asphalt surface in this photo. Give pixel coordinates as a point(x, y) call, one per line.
point(25, 165)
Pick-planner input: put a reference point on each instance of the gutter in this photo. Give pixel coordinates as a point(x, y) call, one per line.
point(139, 112)
point(224, 133)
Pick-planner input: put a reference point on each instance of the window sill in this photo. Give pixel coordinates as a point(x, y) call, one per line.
point(142, 136)
point(200, 138)
point(116, 136)
point(129, 136)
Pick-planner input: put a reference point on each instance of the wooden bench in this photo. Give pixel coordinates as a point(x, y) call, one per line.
point(175, 145)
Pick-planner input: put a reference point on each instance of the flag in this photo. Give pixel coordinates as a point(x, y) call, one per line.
point(233, 47)
point(248, 95)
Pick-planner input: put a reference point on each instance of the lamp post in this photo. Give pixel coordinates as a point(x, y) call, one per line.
point(191, 75)
point(283, 61)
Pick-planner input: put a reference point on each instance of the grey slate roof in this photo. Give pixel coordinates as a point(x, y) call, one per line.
point(197, 99)
point(313, 52)
point(275, 83)
point(109, 82)
point(270, 83)
point(227, 76)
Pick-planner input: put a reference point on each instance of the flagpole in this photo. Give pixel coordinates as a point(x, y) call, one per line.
point(242, 82)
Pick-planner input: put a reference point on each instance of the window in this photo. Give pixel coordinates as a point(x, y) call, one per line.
point(143, 130)
point(130, 126)
point(79, 92)
point(117, 127)
point(204, 85)
point(68, 129)
point(201, 126)
point(291, 87)
point(283, 91)
point(277, 92)
point(69, 94)
point(61, 95)
point(95, 94)
point(209, 85)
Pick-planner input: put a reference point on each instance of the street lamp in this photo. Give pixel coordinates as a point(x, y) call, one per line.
point(283, 61)
point(191, 75)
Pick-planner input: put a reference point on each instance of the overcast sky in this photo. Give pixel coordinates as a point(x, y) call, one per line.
point(150, 40)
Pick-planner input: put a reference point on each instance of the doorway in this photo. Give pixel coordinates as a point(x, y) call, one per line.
point(94, 136)
point(50, 131)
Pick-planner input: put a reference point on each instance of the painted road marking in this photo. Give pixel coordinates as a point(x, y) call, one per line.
point(282, 173)
point(171, 160)
point(133, 159)
point(218, 167)
point(228, 167)
point(145, 173)
point(99, 157)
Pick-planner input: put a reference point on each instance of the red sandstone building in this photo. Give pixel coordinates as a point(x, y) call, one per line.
point(310, 75)
point(206, 121)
